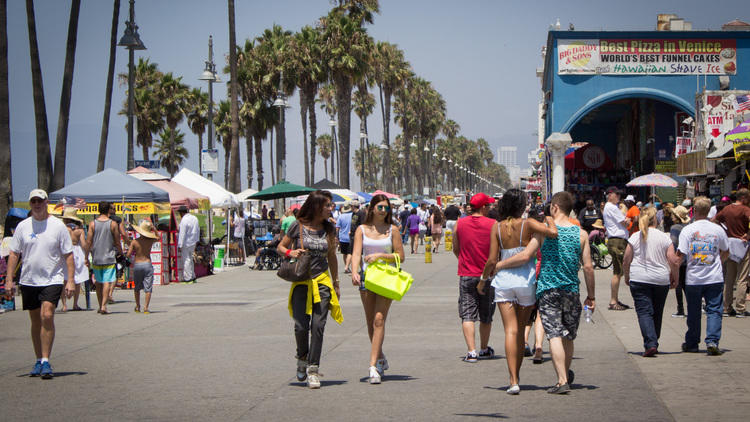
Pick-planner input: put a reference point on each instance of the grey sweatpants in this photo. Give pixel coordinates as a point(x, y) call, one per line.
point(310, 346)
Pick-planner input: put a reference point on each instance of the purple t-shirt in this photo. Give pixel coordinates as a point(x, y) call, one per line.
point(412, 222)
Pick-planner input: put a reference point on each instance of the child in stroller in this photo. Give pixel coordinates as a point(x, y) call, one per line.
point(266, 256)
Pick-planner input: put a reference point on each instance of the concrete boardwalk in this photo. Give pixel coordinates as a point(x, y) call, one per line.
point(223, 349)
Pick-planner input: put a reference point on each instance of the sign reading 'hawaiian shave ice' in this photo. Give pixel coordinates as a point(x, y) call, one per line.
point(647, 57)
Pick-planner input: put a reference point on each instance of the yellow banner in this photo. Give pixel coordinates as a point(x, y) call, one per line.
point(130, 208)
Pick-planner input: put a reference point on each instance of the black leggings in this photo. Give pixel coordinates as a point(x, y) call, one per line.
point(307, 345)
point(680, 290)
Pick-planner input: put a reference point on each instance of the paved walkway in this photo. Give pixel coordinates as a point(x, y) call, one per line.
point(223, 350)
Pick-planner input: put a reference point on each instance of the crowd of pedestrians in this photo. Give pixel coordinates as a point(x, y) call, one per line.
point(519, 257)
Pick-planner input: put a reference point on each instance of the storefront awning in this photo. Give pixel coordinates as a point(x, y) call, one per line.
point(724, 152)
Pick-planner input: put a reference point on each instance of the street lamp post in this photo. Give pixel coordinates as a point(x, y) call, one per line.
point(281, 103)
point(209, 75)
point(362, 138)
point(132, 41)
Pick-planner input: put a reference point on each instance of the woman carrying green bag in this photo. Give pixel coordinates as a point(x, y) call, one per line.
point(376, 239)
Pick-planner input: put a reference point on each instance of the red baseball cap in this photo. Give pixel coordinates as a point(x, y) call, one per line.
point(481, 199)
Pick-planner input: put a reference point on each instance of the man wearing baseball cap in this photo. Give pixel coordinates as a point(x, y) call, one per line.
point(616, 225)
point(471, 245)
point(44, 245)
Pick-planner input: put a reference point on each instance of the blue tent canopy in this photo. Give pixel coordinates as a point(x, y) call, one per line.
point(111, 185)
point(366, 196)
point(18, 213)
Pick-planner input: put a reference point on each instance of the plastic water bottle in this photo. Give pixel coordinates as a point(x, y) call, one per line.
point(587, 312)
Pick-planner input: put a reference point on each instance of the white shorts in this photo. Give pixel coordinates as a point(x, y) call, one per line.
point(450, 225)
point(523, 296)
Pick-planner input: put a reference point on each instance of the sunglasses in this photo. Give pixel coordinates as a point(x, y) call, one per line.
point(329, 205)
point(383, 207)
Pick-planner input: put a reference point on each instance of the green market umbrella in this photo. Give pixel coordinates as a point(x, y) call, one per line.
point(283, 189)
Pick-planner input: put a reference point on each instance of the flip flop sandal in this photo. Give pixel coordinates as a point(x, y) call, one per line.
point(617, 307)
point(77, 308)
point(105, 312)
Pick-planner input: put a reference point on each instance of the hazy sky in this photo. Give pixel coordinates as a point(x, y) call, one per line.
point(480, 55)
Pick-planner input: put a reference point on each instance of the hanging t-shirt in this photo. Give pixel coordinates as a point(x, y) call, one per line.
point(42, 245)
point(701, 243)
point(612, 219)
point(650, 263)
point(239, 227)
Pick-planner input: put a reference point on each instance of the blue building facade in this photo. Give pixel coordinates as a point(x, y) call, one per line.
point(629, 92)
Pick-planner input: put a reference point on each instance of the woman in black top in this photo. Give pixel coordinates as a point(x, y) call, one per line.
point(318, 240)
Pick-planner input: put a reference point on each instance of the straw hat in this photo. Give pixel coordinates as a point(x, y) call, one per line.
point(346, 208)
point(598, 224)
point(71, 213)
point(681, 213)
point(146, 229)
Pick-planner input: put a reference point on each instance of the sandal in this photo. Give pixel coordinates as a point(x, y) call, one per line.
point(617, 307)
point(77, 308)
point(137, 310)
point(538, 359)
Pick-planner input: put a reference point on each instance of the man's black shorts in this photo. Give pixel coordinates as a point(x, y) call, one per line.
point(346, 248)
point(33, 296)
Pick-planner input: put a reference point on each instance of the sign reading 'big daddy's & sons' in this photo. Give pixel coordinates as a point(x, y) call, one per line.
point(647, 57)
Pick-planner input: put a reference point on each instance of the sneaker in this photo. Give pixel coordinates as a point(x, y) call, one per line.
point(374, 375)
point(471, 357)
point(313, 377)
point(650, 352)
point(301, 370)
point(559, 389)
point(688, 349)
point(37, 370)
point(527, 351)
point(47, 371)
point(743, 314)
point(712, 349)
point(678, 315)
point(381, 365)
point(487, 353)
point(513, 390)
point(730, 313)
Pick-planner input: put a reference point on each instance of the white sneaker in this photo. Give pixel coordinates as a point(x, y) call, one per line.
point(513, 389)
point(313, 378)
point(374, 375)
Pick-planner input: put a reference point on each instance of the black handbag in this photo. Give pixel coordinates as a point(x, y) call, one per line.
point(296, 269)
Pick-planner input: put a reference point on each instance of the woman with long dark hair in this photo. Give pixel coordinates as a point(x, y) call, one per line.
point(436, 227)
point(515, 281)
point(310, 300)
point(376, 239)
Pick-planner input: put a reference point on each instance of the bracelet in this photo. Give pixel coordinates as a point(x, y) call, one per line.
point(287, 253)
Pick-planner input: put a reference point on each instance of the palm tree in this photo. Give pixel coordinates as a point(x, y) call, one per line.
point(324, 148)
point(43, 155)
point(149, 102)
point(223, 127)
point(327, 100)
point(347, 56)
point(235, 184)
point(364, 104)
point(197, 118)
point(306, 58)
point(170, 148)
point(174, 99)
point(6, 185)
point(61, 143)
point(391, 71)
point(108, 95)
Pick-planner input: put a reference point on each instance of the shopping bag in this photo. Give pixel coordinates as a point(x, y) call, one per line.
point(386, 280)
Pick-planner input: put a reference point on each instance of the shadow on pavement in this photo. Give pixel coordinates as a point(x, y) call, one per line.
point(483, 415)
point(391, 378)
point(657, 355)
point(322, 383)
point(57, 374)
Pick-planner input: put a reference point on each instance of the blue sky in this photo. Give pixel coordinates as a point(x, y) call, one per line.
point(480, 55)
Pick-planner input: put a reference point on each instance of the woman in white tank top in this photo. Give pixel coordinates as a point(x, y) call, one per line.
point(377, 238)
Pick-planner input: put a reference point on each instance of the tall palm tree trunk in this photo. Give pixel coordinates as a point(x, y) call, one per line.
point(313, 135)
point(235, 184)
point(108, 95)
point(43, 156)
point(325, 167)
point(270, 149)
point(334, 147)
point(259, 160)
point(303, 115)
point(6, 186)
point(387, 138)
point(227, 153)
point(144, 150)
point(344, 103)
point(61, 142)
point(249, 147)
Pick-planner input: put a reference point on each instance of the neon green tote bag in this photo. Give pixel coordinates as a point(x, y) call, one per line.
point(386, 280)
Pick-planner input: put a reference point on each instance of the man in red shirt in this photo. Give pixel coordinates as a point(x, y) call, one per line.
point(735, 218)
point(471, 245)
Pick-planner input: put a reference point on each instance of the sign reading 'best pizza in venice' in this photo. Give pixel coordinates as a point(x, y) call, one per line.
point(647, 57)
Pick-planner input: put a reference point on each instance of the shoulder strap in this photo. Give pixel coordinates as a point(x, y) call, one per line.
point(500, 233)
point(520, 239)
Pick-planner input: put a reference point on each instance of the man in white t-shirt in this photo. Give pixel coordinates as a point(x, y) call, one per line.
point(238, 234)
point(188, 236)
point(616, 225)
point(704, 245)
point(44, 246)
